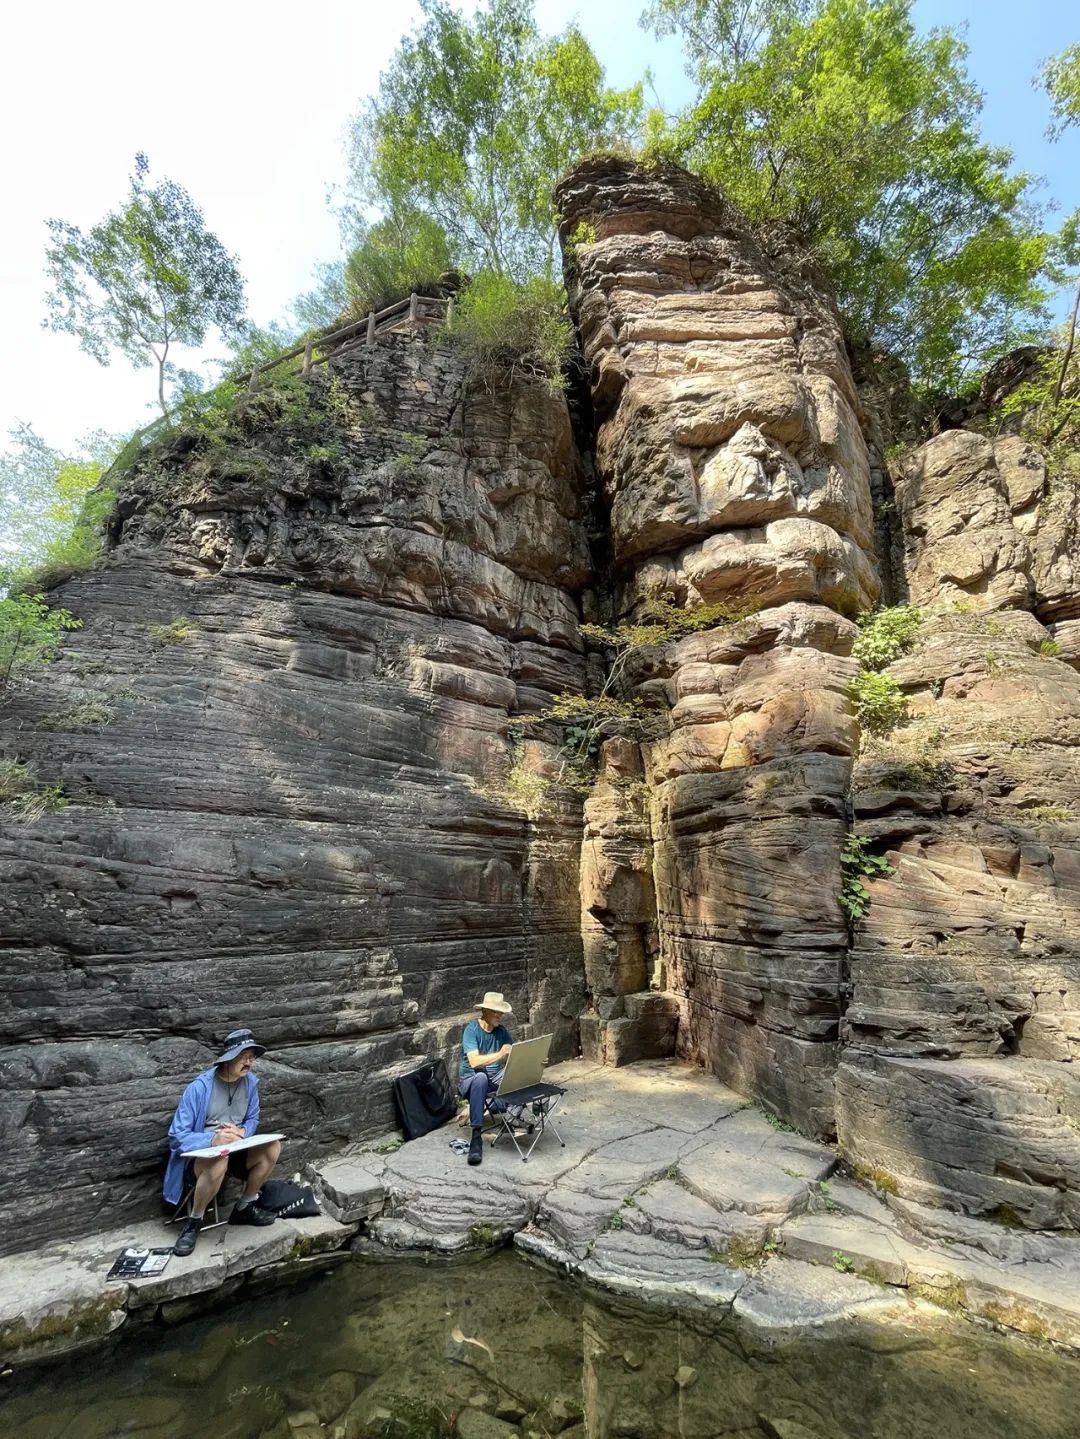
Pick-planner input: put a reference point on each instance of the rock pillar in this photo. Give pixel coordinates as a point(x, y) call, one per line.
point(736, 475)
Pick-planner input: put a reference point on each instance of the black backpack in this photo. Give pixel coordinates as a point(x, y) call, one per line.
point(288, 1199)
point(424, 1099)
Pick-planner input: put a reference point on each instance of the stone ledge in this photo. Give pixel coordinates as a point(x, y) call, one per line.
point(669, 1188)
point(672, 1188)
point(347, 1189)
point(58, 1300)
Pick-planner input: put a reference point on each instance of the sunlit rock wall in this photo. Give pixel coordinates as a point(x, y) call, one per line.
point(734, 467)
point(295, 817)
point(959, 1079)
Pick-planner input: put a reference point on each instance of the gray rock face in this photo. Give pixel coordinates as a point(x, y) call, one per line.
point(294, 817)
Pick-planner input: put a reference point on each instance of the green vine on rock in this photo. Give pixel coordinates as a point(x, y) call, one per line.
point(884, 636)
point(880, 703)
point(588, 719)
point(856, 865)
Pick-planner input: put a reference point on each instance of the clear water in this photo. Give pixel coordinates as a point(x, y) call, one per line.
point(380, 1349)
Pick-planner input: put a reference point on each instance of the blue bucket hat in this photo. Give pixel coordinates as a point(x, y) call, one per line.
point(236, 1042)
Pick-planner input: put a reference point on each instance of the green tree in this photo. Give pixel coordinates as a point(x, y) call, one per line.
point(1061, 79)
point(836, 116)
point(474, 120)
point(30, 634)
point(43, 492)
point(147, 277)
point(321, 307)
point(401, 253)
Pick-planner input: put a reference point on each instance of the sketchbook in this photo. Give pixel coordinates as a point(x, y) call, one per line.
point(139, 1263)
point(222, 1151)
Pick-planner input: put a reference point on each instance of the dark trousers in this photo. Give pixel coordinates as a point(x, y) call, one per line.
point(476, 1087)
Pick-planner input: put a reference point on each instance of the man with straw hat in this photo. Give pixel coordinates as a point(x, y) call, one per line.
point(485, 1047)
point(218, 1107)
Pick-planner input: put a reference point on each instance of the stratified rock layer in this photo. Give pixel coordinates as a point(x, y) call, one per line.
point(294, 817)
point(291, 798)
point(730, 449)
point(958, 1085)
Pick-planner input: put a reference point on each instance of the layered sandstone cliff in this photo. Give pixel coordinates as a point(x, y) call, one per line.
point(937, 1038)
point(307, 640)
point(295, 796)
point(729, 446)
point(959, 1077)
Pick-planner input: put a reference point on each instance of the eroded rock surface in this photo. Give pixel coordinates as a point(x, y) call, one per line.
point(307, 640)
point(958, 1085)
point(730, 448)
point(291, 798)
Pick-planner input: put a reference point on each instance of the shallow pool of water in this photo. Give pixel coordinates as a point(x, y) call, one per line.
point(497, 1348)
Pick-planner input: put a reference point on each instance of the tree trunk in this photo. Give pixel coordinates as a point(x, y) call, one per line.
point(1068, 350)
point(161, 388)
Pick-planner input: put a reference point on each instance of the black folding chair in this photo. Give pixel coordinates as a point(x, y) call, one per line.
point(182, 1212)
point(532, 1107)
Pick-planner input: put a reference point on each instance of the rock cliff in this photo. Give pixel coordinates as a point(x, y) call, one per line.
point(730, 451)
point(293, 795)
point(959, 1078)
point(305, 641)
point(739, 461)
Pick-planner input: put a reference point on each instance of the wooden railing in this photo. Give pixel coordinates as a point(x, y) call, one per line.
point(417, 309)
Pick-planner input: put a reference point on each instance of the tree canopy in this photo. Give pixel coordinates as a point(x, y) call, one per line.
point(474, 120)
point(836, 116)
point(1060, 78)
point(43, 492)
point(149, 276)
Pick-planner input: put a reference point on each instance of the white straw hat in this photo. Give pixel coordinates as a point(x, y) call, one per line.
point(494, 1000)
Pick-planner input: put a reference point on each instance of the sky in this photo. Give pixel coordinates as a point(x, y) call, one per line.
point(246, 106)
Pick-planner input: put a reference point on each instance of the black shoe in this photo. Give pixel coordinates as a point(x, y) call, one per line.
point(251, 1214)
point(476, 1147)
point(187, 1238)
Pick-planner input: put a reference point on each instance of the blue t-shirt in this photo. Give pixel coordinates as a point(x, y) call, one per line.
point(484, 1042)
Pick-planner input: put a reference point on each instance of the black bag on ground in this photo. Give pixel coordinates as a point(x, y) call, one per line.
point(289, 1200)
point(424, 1099)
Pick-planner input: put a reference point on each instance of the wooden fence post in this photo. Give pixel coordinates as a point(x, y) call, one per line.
point(253, 380)
point(307, 358)
point(371, 328)
point(412, 321)
point(450, 313)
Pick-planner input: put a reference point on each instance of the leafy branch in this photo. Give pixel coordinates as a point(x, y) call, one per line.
point(586, 720)
point(856, 865)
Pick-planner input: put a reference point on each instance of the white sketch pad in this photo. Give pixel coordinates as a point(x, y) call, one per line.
point(222, 1151)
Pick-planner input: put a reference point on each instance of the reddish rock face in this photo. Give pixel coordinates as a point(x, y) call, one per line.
point(730, 450)
point(963, 1031)
point(730, 447)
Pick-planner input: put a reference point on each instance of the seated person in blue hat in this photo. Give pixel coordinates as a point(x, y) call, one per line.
point(218, 1107)
point(485, 1048)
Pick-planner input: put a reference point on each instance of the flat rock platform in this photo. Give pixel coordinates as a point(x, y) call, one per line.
point(57, 1300)
point(671, 1189)
point(674, 1189)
